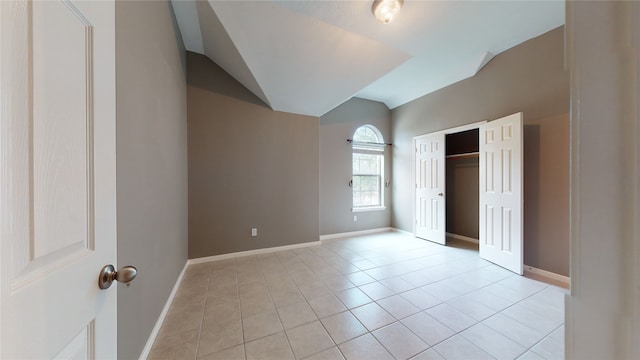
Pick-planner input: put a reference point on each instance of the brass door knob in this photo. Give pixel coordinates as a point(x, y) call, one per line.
point(108, 274)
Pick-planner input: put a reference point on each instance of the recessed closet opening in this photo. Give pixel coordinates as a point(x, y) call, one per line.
point(474, 169)
point(462, 188)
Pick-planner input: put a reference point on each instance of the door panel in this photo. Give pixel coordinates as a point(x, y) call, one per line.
point(501, 237)
point(430, 181)
point(57, 184)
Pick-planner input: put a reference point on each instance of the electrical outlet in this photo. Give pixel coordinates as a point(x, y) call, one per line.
point(254, 232)
point(355, 217)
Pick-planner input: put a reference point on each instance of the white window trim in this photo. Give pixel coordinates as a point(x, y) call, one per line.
point(373, 149)
point(362, 147)
point(382, 183)
point(368, 208)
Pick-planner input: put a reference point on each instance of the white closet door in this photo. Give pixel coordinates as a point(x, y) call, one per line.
point(430, 183)
point(501, 198)
point(57, 179)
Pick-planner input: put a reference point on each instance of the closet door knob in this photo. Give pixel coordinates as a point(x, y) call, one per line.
point(441, 194)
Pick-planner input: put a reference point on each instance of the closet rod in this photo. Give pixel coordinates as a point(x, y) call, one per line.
point(463, 156)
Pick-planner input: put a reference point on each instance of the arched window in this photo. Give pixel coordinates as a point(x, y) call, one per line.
point(368, 169)
point(367, 134)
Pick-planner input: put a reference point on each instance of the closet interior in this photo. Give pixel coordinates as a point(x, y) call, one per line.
point(462, 185)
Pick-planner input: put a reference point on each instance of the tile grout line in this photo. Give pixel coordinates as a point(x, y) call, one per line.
point(204, 308)
point(313, 260)
point(318, 319)
point(541, 340)
point(235, 272)
point(400, 293)
point(447, 301)
point(286, 336)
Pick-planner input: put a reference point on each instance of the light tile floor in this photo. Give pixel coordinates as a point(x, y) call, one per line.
point(381, 296)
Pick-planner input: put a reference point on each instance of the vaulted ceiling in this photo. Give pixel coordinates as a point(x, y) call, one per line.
point(307, 57)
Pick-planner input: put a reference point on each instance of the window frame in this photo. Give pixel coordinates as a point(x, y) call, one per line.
point(369, 148)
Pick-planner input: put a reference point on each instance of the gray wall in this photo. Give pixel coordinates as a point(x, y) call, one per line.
point(336, 201)
point(546, 193)
point(603, 313)
point(151, 164)
point(249, 167)
point(463, 197)
point(529, 78)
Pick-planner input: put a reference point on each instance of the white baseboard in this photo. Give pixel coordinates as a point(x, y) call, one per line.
point(404, 232)
point(251, 252)
point(463, 238)
point(355, 233)
point(156, 328)
point(564, 280)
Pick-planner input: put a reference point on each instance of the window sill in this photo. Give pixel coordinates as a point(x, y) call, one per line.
point(370, 208)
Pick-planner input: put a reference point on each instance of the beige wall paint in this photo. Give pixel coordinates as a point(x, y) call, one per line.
point(336, 201)
point(529, 78)
point(249, 167)
point(151, 164)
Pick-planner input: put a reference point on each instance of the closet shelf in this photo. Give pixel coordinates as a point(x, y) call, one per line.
point(464, 156)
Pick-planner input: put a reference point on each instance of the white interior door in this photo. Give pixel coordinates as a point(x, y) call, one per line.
point(430, 186)
point(501, 199)
point(57, 179)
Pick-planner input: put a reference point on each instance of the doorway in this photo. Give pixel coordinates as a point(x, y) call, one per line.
point(462, 177)
point(500, 199)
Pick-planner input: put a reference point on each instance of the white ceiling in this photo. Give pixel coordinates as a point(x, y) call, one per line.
point(307, 57)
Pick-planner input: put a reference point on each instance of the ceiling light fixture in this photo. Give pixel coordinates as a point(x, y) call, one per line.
point(386, 10)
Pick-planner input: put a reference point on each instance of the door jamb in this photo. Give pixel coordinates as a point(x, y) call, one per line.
point(457, 129)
